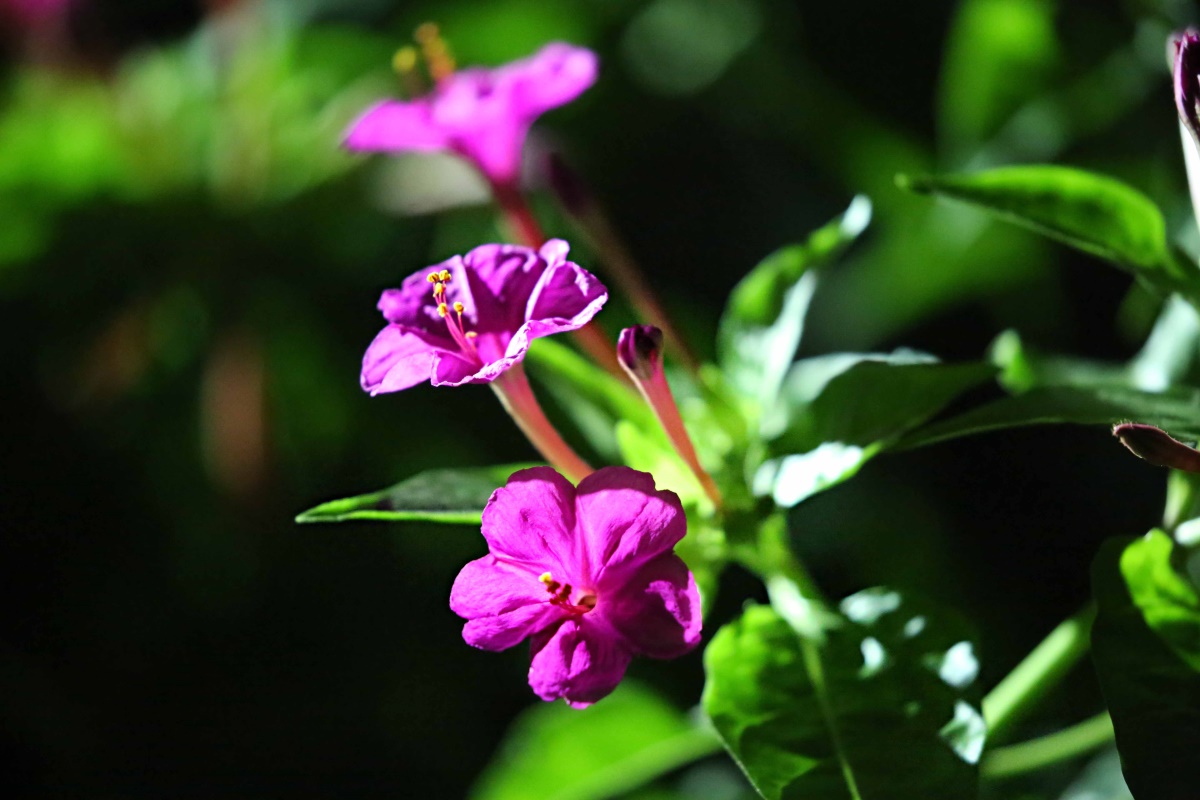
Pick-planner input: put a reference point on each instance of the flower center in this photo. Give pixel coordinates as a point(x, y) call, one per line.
point(458, 332)
point(560, 595)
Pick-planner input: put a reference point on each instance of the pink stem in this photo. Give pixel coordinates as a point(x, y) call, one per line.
point(516, 395)
point(658, 394)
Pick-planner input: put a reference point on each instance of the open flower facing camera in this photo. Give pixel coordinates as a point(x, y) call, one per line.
point(587, 574)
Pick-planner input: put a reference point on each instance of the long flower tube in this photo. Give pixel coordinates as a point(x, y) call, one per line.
point(639, 349)
point(516, 395)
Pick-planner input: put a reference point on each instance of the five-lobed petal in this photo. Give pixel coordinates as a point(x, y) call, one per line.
point(587, 573)
point(481, 114)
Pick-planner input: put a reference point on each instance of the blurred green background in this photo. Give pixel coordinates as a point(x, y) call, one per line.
point(188, 273)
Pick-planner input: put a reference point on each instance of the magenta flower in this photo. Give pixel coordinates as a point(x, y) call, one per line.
point(32, 12)
point(588, 575)
point(481, 114)
point(472, 317)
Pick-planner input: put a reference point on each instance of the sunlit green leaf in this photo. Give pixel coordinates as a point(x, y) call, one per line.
point(873, 399)
point(437, 495)
point(1176, 411)
point(1091, 212)
point(553, 752)
point(875, 708)
point(1146, 647)
point(764, 317)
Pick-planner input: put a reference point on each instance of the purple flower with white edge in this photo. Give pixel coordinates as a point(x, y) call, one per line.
point(472, 317)
point(481, 114)
point(587, 574)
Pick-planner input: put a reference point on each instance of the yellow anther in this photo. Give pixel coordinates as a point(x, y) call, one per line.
point(545, 578)
point(432, 277)
point(438, 289)
point(443, 310)
point(405, 59)
point(458, 308)
point(444, 276)
point(436, 52)
point(471, 334)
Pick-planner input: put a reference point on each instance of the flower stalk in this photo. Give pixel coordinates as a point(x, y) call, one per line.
point(516, 395)
point(639, 349)
point(577, 200)
point(1041, 671)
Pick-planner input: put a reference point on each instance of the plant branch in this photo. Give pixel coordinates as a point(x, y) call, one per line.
point(1077, 740)
point(1041, 671)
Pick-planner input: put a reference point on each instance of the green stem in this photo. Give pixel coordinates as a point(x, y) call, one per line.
point(1041, 671)
point(1077, 740)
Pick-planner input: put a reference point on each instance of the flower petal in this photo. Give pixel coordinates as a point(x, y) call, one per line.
point(566, 298)
point(501, 278)
point(657, 611)
point(504, 603)
point(551, 77)
point(413, 304)
point(393, 126)
point(625, 522)
point(531, 520)
point(577, 661)
point(397, 359)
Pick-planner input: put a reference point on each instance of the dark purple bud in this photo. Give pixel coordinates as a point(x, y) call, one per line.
point(567, 186)
point(639, 349)
point(1187, 78)
point(1156, 446)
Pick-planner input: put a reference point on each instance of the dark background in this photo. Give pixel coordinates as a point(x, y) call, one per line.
point(181, 340)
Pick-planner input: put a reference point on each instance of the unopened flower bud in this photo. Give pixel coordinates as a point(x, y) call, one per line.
point(1187, 78)
point(639, 349)
point(1157, 447)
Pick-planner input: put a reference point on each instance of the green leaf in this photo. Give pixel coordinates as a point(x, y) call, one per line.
point(761, 327)
point(553, 752)
point(1146, 647)
point(876, 708)
point(437, 495)
point(1176, 411)
point(874, 398)
point(999, 55)
point(1091, 212)
point(594, 399)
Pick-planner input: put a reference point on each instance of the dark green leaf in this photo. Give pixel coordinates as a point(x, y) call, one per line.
point(877, 708)
point(437, 495)
point(1176, 411)
point(1091, 212)
point(874, 399)
point(764, 318)
point(1146, 647)
point(555, 752)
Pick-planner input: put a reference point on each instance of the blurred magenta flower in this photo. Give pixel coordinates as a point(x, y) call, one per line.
point(481, 114)
point(472, 317)
point(32, 11)
point(588, 574)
